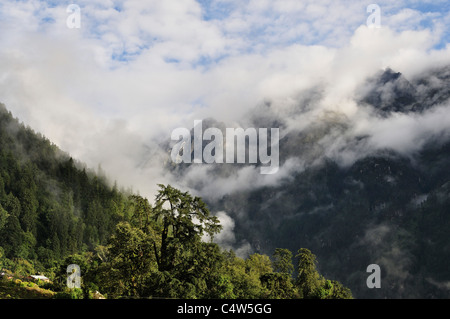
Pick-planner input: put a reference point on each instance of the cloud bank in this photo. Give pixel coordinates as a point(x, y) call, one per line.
point(111, 92)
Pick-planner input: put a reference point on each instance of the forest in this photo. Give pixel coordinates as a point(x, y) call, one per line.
point(55, 212)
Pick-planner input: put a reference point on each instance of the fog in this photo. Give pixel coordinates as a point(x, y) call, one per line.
point(112, 92)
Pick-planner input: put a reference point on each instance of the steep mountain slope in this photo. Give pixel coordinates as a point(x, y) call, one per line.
point(54, 213)
point(50, 205)
point(384, 210)
point(359, 197)
point(354, 194)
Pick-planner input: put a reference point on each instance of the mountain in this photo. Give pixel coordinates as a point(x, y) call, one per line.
point(390, 91)
point(55, 213)
point(367, 184)
point(353, 200)
point(51, 206)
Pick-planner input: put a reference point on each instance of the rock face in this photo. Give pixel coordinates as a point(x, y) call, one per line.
point(384, 207)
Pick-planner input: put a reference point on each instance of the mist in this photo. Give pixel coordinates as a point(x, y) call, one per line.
point(111, 92)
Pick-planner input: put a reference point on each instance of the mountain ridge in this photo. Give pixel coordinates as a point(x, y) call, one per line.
point(382, 206)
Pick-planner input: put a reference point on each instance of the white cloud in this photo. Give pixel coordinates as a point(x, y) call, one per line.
point(226, 238)
point(134, 70)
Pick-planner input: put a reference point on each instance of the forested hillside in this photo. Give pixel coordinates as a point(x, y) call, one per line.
point(55, 212)
point(51, 206)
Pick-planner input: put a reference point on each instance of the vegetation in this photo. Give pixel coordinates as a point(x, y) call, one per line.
point(54, 212)
point(159, 253)
point(18, 289)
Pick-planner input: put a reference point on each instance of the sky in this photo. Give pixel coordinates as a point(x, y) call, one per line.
point(109, 91)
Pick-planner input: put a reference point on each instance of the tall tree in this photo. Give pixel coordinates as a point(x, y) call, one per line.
point(183, 220)
point(131, 258)
point(308, 278)
point(282, 261)
point(161, 252)
point(278, 286)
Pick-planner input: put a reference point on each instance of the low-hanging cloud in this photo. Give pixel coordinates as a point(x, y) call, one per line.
point(226, 238)
point(111, 92)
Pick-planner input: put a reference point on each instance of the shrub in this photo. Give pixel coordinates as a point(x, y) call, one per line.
point(75, 293)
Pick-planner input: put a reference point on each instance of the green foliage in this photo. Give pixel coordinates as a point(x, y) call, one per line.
point(21, 267)
point(314, 286)
point(3, 217)
point(130, 259)
point(160, 250)
point(74, 293)
point(54, 212)
point(50, 205)
point(278, 286)
point(338, 291)
point(182, 220)
point(18, 289)
point(160, 253)
point(282, 261)
point(309, 281)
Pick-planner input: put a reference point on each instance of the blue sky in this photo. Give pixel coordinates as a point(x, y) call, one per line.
point(263, 26)
point(242, 26)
